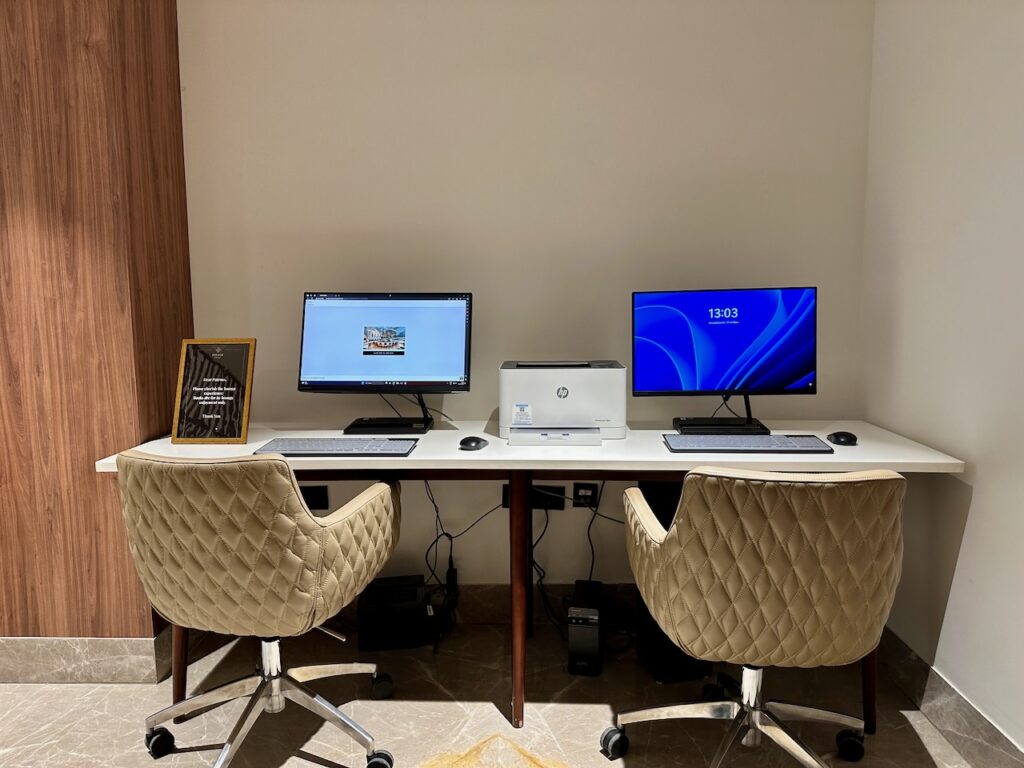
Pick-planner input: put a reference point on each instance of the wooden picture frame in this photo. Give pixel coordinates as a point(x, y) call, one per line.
point(206, 401)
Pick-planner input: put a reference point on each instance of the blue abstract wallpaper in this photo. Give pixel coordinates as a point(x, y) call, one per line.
point(721, 341)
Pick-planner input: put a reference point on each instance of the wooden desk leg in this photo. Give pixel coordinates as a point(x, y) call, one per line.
point(869, 690)
point(519, 551)
point(179, 663)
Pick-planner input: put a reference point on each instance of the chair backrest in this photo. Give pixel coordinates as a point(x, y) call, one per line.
point(230, 546)
point(773, 569)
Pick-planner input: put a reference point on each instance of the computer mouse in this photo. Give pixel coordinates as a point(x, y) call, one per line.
point(472, 443)
point(843, 438)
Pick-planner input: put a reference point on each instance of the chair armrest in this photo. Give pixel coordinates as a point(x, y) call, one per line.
point(645, 540)
point(365, 501)
point(641, 517)
point(356, 541)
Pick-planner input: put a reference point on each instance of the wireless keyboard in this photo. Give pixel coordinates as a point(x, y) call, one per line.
point(339, 446)
point(746, 444)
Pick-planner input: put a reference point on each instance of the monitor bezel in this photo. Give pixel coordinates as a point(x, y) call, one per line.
point(372, 389)
point(722, 392)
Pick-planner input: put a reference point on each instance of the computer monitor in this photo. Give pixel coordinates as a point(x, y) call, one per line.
point(381, 343)
point(760, 341)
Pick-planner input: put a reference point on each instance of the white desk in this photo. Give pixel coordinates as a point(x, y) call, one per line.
point(642, 451)
point(641, 454)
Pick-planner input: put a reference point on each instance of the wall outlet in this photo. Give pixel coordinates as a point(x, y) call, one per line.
point(553, 499)
point(585, 495)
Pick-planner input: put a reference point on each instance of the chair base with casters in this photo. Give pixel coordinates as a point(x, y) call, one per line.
point(749, 719)
point(268, 692)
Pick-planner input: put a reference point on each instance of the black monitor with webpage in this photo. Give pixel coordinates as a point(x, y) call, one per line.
point(379, 343)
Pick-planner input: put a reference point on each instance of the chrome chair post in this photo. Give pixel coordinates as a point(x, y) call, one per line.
point(750, 694)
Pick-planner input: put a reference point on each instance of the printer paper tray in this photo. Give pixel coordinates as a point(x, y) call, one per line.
point(554, 436)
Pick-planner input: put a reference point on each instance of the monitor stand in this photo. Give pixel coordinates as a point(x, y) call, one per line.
point(721, 425)
point(394, 425)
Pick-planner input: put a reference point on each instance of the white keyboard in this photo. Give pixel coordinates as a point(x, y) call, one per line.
point(746, 444)
point(339, 446)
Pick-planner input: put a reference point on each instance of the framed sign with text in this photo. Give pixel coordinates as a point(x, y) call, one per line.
point(214, 391)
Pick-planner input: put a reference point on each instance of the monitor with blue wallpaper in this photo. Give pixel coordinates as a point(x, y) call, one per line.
point(759, 341)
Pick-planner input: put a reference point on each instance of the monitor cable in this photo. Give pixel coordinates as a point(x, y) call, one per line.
point(725, 404)
point(415, 402)
point(390, 404)
point(438, 411)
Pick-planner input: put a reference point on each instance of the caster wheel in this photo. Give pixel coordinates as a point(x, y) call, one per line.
point(159, 742)
point(614, 743)
point(383, 687)
point(380, 759)
point(850, 745)
point(712, 692)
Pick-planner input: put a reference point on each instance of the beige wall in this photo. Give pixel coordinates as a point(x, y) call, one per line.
point(553, 157)
point(943, 270)
point(548, 157)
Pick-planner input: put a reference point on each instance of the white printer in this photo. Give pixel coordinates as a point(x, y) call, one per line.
point(561, 402)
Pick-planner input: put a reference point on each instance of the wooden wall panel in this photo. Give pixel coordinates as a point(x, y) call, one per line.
point(78, 229)
point(158, 233)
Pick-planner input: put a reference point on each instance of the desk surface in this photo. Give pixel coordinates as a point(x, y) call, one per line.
point(642, 450)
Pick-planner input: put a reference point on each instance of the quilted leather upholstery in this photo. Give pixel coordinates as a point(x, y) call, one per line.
point(228, 545)
point(772, 569)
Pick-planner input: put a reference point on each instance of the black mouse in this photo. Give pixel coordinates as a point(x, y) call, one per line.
point(843, 438)
point(472, 443)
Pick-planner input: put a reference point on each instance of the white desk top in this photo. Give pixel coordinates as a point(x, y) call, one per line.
point(641, 451)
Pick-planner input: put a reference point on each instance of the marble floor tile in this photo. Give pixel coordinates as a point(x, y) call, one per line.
point(966, 729)
point(76, 660)
point(450, 711)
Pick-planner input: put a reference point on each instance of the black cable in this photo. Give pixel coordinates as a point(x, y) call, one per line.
point(725, 404)
point(451, 537)
point(390, 405)
point(545, 602)
point(593, 551)
point(439, 533)
point(588, 506)
point(613, 519)
point(415, 402)
point(495, 508)
point(433, 568)
point(590, 526)
point(448, 587)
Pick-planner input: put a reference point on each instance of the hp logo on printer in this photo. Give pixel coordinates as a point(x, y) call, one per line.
point(562, 392)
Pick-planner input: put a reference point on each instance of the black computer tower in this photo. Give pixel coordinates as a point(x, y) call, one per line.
point(395, 612)
point(584, 617)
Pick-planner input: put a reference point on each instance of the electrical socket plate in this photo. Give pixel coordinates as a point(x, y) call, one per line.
point(585, 495)
point(553, 499)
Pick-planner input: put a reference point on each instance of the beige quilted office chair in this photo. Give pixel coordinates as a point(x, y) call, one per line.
point(229, 546)
point(768, 569)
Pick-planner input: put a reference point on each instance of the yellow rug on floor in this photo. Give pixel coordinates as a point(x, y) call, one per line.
point(493, 752)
